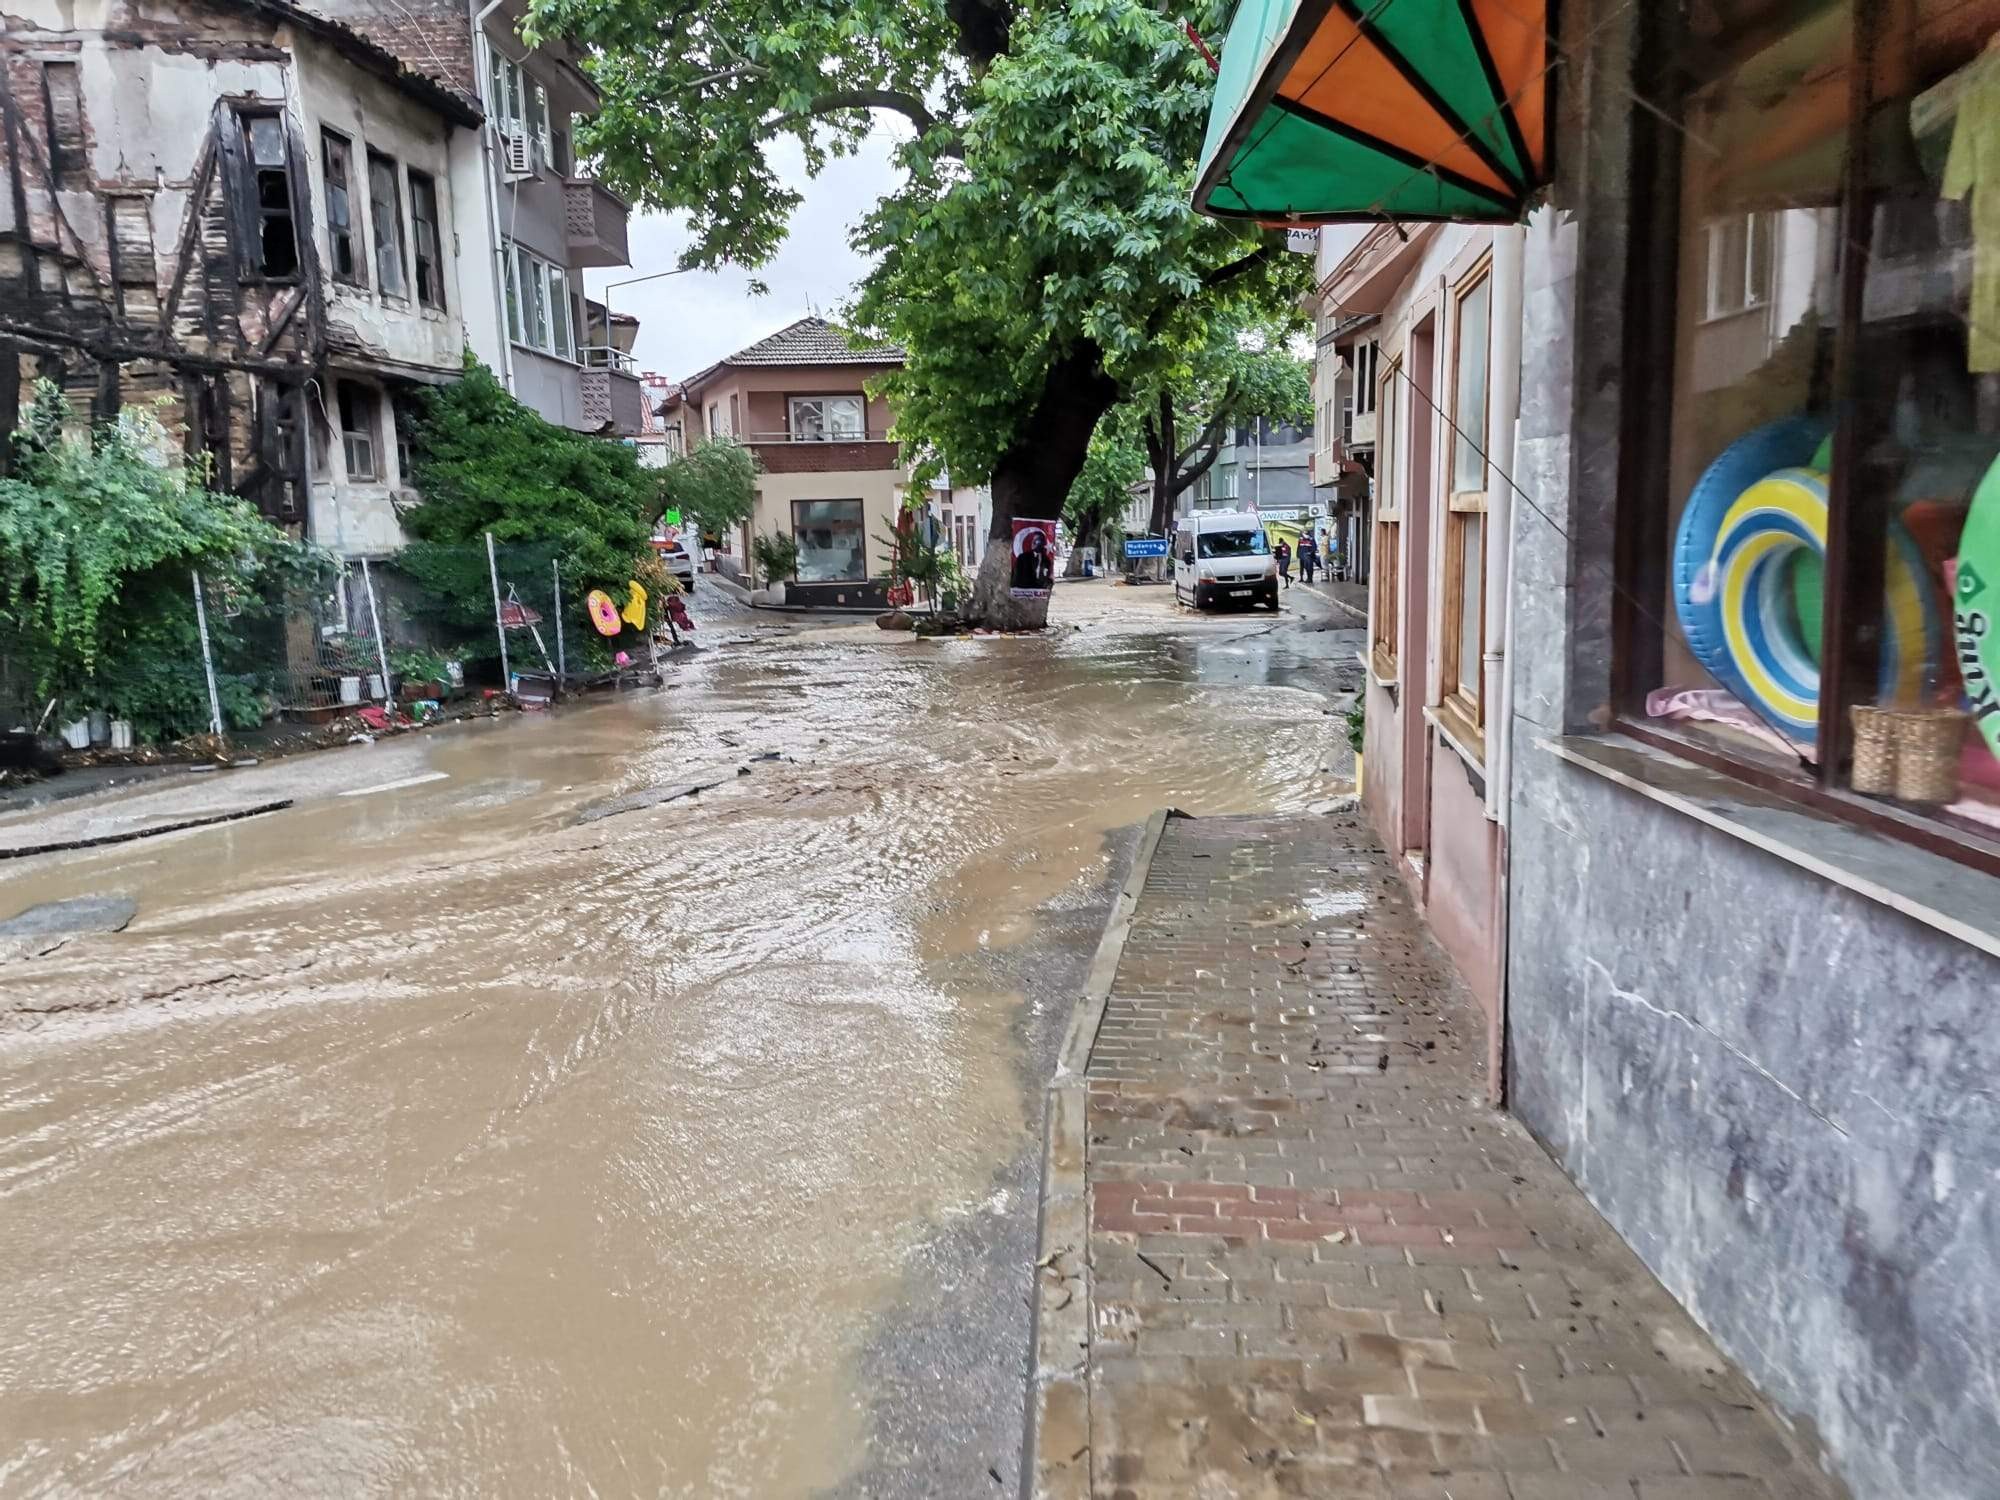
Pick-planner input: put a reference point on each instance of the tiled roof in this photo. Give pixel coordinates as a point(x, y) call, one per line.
point(814, 341)
point(365, 52)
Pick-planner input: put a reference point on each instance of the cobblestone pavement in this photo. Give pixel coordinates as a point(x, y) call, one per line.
point(1319, 1263)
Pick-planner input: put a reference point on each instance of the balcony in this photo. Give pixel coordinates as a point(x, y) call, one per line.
point(594, 224)
point(611, 392)
point(781, 453)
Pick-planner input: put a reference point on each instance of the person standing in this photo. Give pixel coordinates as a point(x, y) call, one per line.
point(1308, 557)
point(1283, 553)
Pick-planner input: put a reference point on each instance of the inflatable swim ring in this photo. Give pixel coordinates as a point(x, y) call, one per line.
point(603, 613)
point(1770, 666)
point(1976, 607)
point(1783, 444)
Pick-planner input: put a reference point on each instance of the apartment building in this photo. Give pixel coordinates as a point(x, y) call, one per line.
point(828, 473)
point(533, 218)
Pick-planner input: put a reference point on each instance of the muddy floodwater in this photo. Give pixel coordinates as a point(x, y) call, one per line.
point(482, 1125)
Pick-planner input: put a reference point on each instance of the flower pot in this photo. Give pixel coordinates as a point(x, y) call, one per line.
point(100, 727)
point(776, 591)
point(76, 735)
point(350, 690)
point(121, 734)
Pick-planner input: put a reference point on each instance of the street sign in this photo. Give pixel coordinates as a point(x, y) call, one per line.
point(1145, 546)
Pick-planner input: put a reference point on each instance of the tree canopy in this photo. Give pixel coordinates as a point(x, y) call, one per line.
point(713, 485)
point(1039, 260)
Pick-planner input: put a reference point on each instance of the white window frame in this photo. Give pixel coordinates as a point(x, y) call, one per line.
point(520, 106)
point(540, 298)
point(1730, 290)
point(369, 435)
point(824, 403)
point(1367, 364)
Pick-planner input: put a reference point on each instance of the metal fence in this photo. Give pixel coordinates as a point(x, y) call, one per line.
point(437, 620)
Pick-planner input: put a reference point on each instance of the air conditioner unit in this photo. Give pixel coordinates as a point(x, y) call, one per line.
point(517, 154)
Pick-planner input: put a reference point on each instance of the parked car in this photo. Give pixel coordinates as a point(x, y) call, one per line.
point(678, 552)
point(1223, 557)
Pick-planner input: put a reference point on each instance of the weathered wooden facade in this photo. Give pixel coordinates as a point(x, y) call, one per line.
point(191, 218)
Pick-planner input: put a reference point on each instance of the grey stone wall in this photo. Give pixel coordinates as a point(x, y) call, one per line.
point(1784, 1096)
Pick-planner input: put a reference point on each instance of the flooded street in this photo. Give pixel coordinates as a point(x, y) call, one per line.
point(504, 1129)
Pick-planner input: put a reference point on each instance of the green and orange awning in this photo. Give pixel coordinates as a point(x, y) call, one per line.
point(1338, 111)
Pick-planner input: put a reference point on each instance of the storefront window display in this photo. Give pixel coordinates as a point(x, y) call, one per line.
point(833, 547)
point(1817, 598)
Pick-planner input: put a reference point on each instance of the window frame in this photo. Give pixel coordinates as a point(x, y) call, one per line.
point(399, 242)
point(1367, 376)
point(1386, 571)
point(823, 400)
point(1641, 544)
point(370, 432)
point(1754, 298)
point(1464, 711)
point(69, 148)
point(357, 248)
point(249, 215)
point(435, 297)
point(541, 286)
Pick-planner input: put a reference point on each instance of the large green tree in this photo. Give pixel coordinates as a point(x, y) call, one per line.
point(1236, 376)
point(1039, 260)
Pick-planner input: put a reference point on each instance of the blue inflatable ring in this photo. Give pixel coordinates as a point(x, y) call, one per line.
point(1735, 601)
point(1785, 444)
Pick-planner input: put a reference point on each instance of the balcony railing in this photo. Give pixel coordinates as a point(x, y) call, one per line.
point(798, 437)
point(605, 357)
point(594, 221)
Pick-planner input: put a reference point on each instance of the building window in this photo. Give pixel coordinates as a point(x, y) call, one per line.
point(1387, 568)
point(547, 317)
point(404, 413)
point(336, 158)
point(357, 430)
point(827, 419)
point(269, 246)
point(711, 429)
point(511, 273)
point(1366, 372)
point(428, 243)
point(62, 98)
point(519, 106)
point(385, 220)
point(1810, 545)
point(1738, 257)
point(832, 546)
point(1464, 625)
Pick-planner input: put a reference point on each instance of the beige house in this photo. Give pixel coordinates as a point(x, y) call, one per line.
point(829, 475)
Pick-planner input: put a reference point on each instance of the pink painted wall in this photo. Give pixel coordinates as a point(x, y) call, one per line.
point(1464, 881)
point(1382, 766)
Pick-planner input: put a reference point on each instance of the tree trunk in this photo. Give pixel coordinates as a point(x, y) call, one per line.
point(1033, 477)
point(1160, 436)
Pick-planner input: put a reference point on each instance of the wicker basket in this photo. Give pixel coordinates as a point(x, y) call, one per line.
point(1874, 750)
point(1928, 742)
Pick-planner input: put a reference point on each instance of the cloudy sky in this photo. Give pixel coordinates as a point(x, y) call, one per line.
point(687, 322)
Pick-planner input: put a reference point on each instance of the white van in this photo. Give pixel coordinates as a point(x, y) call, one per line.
point(1223, 557)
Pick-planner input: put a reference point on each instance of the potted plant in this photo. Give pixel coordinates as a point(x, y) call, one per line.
point(778, 559)
point(420, 673)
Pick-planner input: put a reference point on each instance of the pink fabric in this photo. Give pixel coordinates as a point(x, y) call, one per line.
point(1714, 705)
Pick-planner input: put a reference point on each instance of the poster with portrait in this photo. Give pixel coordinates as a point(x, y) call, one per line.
point(1034, 559)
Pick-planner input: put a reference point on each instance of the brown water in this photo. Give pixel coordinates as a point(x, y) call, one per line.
point(432, 1142)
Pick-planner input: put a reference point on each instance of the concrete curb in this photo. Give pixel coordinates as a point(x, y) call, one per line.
point(1055, 1446)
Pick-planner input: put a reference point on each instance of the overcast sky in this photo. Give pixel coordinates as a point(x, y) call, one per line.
point(688, 322)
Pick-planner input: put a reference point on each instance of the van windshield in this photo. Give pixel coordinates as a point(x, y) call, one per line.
point(1233, 544)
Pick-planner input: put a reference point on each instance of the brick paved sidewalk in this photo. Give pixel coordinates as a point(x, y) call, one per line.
point(1319, 1264)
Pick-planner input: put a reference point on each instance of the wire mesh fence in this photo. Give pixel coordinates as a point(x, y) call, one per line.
point(401, 636)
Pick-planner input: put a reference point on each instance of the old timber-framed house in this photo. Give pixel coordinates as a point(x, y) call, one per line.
point(237, 212)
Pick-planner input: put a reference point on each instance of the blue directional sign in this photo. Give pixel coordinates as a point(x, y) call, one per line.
point(1145, 546)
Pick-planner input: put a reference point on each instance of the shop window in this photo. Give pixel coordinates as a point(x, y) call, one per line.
point(1464, 635)
point(358, 441)
point(832, 544)
point(337, 163)
point(1388, 523)
point(385, 221)
point(1811, 563)
point(268, 247)
point(426, 241)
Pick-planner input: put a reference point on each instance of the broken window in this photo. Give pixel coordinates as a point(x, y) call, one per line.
point(337, 160)
point(385, 218)
point(264, 203)
point(63, 95)
point(424, 233)
point(357, 430)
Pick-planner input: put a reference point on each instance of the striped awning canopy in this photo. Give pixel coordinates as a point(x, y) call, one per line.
point(1337, 111)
